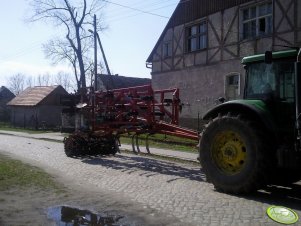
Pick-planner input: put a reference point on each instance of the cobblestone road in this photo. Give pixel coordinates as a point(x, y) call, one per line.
point(177, 190)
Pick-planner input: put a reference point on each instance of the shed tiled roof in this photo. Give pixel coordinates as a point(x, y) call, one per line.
point(32, 96)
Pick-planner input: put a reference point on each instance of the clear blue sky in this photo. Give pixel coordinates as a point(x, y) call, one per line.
point(128, 41)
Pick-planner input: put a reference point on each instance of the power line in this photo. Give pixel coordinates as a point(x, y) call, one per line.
point(25, 51)
point(149, 12)
point(139, 10)
point(120, 16)
point(140, 4)
point(22, 52)
point(136, 14)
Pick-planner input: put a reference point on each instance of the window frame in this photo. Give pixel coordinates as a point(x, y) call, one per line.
point(167, 49)
point(256, 19)
point(227, 84)
point(200, 36)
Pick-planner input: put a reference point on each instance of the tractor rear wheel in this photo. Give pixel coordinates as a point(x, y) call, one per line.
point(233, 155)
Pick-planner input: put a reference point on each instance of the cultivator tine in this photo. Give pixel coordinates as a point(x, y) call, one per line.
point(133, 144)
point(147, 144)
point(117, 144)
point(137, 143)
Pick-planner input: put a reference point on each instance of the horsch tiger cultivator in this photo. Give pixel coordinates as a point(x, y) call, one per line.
point(135, 110)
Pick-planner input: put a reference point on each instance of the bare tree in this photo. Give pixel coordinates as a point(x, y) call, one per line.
point(59, 50)
point(16, 83)
point(63, 79)
point(77, 19)
point(30, 81)
point(43, 80)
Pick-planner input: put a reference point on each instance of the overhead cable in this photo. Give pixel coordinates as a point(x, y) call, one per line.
point(139, 10)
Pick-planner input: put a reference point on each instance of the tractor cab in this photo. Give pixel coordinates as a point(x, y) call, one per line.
point(271, 78)
point(271, 82)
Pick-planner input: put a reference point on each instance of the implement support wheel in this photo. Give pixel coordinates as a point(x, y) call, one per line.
point(71, 146)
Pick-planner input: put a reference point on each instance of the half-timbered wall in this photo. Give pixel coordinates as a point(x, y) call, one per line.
point(201, 75)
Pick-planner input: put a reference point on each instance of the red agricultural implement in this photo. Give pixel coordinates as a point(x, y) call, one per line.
point(135, 110)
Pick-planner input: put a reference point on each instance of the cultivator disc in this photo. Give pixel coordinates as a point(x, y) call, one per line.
point(81, 143)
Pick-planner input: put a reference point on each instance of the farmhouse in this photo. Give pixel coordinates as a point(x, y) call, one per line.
point(202, 45)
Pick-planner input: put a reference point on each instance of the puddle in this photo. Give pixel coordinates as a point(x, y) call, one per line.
point(69, 216)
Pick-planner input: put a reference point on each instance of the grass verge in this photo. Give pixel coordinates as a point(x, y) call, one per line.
point(7, 127)
point(163, 157)
point(15, 174)
point(164, 142)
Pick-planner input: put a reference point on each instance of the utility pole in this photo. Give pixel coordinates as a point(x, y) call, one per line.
point(96, 38)
point(103, 55)
point(95, 53)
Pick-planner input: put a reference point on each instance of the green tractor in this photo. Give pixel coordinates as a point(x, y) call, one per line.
point(256, 141)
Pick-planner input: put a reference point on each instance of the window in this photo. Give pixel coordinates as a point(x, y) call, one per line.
point(257, 21)
point(232, 87)
point(197, 37)
point(167, 49)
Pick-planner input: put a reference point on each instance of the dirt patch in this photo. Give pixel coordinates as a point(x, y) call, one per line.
point(30, 205)
point(33, 206)
point(26, 206)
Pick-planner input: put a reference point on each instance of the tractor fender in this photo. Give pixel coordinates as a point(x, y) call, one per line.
point(250, 109)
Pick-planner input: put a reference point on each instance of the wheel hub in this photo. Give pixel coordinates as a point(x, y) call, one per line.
point(229, 152)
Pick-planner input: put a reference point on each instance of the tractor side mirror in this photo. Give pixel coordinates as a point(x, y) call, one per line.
point(268, 57)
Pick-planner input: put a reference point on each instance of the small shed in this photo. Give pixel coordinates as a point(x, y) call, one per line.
point(5, 96)
point(37, 107)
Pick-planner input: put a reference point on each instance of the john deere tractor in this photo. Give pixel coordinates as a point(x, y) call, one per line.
point(255, 141)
